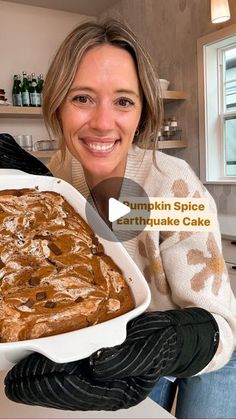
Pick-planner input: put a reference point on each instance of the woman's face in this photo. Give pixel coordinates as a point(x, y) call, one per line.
point(102, 110)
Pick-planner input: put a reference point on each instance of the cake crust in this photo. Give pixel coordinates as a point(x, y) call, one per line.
point(54, 274)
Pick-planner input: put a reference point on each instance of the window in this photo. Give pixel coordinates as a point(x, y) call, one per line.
point(217, 106)
point(228, 58)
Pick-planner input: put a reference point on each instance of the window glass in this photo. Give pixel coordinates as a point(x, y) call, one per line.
point(230, 146)
point(230, 79)
point(229, 99)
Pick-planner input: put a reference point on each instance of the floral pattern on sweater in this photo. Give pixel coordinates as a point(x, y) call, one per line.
point(213, 265)
point(183, 269)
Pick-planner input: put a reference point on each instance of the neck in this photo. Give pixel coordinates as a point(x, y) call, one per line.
point(104, 187)
point(93, 180)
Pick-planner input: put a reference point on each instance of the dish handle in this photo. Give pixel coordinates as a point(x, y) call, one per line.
point(76, 345)
point(10, 357)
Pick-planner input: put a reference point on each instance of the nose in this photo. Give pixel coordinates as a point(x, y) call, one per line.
point(102, 118)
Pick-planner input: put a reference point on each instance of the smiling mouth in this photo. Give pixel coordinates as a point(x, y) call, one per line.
point(100, 147)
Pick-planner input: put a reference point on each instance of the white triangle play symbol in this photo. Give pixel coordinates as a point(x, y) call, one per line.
point(116, 209)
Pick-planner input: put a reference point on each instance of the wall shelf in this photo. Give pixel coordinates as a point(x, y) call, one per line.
point(169, 96)
point(171, 144)
point(20, 111)
point(173, 95)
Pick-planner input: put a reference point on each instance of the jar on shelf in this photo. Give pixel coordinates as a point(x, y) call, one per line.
point(173, 125)
point(166, 129)
point(175, 130)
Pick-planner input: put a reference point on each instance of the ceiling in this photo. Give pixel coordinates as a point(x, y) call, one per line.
point(83, 7)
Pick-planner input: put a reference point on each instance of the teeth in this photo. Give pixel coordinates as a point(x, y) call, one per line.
point(99, 147)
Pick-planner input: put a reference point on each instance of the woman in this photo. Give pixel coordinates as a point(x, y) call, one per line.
point(101, 101)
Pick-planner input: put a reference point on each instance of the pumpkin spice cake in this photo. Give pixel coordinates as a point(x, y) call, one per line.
point(54, 274)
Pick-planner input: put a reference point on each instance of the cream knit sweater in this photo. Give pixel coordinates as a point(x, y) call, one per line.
point(183, 269)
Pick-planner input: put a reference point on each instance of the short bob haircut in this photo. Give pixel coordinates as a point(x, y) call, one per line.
point(64, 66)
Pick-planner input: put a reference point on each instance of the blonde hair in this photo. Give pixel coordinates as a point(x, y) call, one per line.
point(64, 66)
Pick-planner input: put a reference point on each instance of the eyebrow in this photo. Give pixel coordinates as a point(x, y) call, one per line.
point(89, 89)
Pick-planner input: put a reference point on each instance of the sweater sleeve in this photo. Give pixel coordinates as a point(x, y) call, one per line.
point(196, 272)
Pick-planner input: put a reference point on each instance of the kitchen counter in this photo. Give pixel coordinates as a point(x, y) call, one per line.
point(9, 410)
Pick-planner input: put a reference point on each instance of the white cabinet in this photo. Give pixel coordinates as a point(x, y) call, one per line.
point(229, 252)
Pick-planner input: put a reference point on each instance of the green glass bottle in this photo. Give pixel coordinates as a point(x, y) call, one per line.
point(25, 91)
point(16, 91)
point(33, 91)
point(29, 79)
point(40, 89)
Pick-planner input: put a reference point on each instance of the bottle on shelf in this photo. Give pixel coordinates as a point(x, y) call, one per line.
point(173, 125)
point(33, 91)
point(29, 82)
point(16, 91)
point(160, 132)
point(175, 130)
point(40, 89)
point(166, 129)
point(25, 91)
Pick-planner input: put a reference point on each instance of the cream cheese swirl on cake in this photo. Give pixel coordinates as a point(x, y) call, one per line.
point(54, 275)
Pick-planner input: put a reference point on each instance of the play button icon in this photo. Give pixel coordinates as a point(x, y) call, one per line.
point(109, 199)
point(116, 209)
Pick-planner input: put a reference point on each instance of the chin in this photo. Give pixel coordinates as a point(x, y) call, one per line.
point(102, 172)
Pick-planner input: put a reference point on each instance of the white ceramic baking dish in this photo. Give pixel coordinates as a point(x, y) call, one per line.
point(78, 344)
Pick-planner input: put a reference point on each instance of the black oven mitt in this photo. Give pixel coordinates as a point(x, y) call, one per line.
point(12, 156)
point(176, 342)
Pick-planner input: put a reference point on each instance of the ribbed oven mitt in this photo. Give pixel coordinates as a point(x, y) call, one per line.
point(12, 156)
point(177, 342)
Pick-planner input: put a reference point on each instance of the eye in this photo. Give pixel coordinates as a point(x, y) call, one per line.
point(125, 102)
point(81, 99)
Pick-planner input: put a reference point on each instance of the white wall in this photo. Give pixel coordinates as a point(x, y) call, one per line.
point(29, 37)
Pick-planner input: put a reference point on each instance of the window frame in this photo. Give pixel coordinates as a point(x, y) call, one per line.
point(212, 169)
